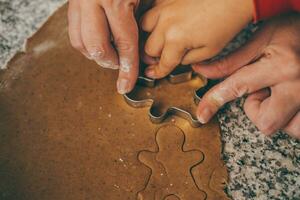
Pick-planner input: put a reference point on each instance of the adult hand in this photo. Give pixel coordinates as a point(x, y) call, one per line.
point(268, 70)
point(93, 24)
point(190, 31)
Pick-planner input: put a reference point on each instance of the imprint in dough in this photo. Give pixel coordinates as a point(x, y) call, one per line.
point(171, 168)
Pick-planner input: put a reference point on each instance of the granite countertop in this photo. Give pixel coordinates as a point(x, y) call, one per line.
point(259, 167)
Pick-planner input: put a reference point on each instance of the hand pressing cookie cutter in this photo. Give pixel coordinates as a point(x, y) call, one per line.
point(174, 78)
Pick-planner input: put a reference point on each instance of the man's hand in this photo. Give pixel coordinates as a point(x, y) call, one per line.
point(268, 70)
point(190, 31)
point(93, 24)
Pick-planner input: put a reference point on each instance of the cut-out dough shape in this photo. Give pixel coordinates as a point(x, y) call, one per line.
point(171, 166)
point(176, 95)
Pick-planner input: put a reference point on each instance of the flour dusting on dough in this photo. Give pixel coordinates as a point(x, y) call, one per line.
point(43, 47)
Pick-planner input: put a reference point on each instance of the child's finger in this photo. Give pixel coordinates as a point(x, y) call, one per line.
point(293, 127)
point(170, 58)
point(248, 79)
point(150, 19)
point(75, 27)
point(125, 31)
point(241, 57)
point(155, 43)
point(148, 59)
point(197, 55)
point(96, 35)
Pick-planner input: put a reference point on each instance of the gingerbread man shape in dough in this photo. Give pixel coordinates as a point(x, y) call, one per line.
point(171, 167)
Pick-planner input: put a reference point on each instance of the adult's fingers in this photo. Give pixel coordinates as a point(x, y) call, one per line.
point(241, 57)
point(274, 112)
point(125, 31)
point(74, 27)
point(293, 127)
point(247, 80)
point(171, 57)
point(252, 105)
point(96, 35)
point(280, 108)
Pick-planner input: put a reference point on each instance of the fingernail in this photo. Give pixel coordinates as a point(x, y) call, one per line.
point(125, 65)
point(95, 54)
point(107, 64)
point(204, 115)
point(150, 72)
point(122, 86)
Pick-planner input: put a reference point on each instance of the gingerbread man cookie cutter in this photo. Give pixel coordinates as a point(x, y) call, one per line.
point(178, 76)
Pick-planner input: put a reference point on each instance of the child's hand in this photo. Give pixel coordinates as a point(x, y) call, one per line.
point(268, 69)
point(93, 24)
point(190, 31)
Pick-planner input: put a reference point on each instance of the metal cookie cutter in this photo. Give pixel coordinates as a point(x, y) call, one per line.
point(178, 76)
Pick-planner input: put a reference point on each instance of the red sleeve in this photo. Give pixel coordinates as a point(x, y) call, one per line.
point(268, 8)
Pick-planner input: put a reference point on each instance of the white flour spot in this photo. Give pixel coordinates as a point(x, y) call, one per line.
point(43, 47)
point(116, 186)
point(125, 65)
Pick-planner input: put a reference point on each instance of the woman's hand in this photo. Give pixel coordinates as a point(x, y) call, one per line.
point(190, 31)
point(106, 31)
point(268, 70)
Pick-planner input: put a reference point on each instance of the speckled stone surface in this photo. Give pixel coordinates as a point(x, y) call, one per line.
point(19, 19)
point(259, 167)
